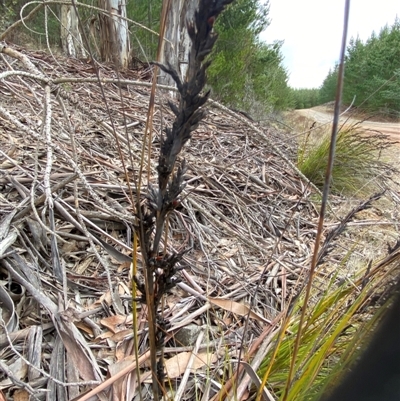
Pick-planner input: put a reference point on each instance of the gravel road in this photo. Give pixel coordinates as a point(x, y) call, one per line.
point(325, 116)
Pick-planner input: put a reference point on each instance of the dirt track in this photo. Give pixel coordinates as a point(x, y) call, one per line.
point(324, 116)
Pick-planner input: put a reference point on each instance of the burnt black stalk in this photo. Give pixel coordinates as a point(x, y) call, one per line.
point(377, 375)
point(161, 267)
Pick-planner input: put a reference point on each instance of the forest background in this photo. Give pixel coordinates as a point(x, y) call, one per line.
point(258, 82)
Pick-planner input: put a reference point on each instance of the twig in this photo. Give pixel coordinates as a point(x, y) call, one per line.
point(193, 356)
point(41, 371)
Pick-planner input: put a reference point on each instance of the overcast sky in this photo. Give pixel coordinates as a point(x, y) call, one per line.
point(312, 31)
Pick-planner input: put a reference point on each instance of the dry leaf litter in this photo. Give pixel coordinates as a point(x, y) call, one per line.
point(67, 223)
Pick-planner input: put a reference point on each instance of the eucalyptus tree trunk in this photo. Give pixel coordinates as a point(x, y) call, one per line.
point(176, 48)
point(114, 35)
point(71, 39)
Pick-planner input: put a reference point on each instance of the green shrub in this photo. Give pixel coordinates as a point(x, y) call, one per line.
point(357, 160)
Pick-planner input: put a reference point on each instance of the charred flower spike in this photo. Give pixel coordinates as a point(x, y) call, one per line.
point(189, 112)
point(161, 267)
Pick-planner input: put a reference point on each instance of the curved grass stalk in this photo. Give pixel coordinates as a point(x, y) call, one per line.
point(324, 198)
point(134, 310)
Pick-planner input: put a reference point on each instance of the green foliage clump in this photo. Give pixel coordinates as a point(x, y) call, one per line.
point(245, 73)
point(8, 14)
point(372, 73)
point(46, 20)
point(357, 160)
point(252, 71)
point(146, 13)
point(330, 341)
point(375, 66)
point(327, 92)
point(305, 98)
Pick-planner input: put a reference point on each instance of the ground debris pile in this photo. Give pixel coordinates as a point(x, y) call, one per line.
point(67, 221)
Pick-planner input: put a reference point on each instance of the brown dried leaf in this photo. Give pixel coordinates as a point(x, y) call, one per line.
point(176, 365)
point(112, 322)
point(78, 349)
point(84, 327)
point(237, 308)
point(120, 335)
point(19, 395)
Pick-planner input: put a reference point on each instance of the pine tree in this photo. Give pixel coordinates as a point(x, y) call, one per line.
point(372, 72)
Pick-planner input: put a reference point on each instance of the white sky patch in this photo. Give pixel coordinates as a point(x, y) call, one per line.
point(312, 32)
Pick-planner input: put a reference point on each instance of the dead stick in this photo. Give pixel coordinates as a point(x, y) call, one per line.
point(42, 198)
point(229, 384)
point(113, 379)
